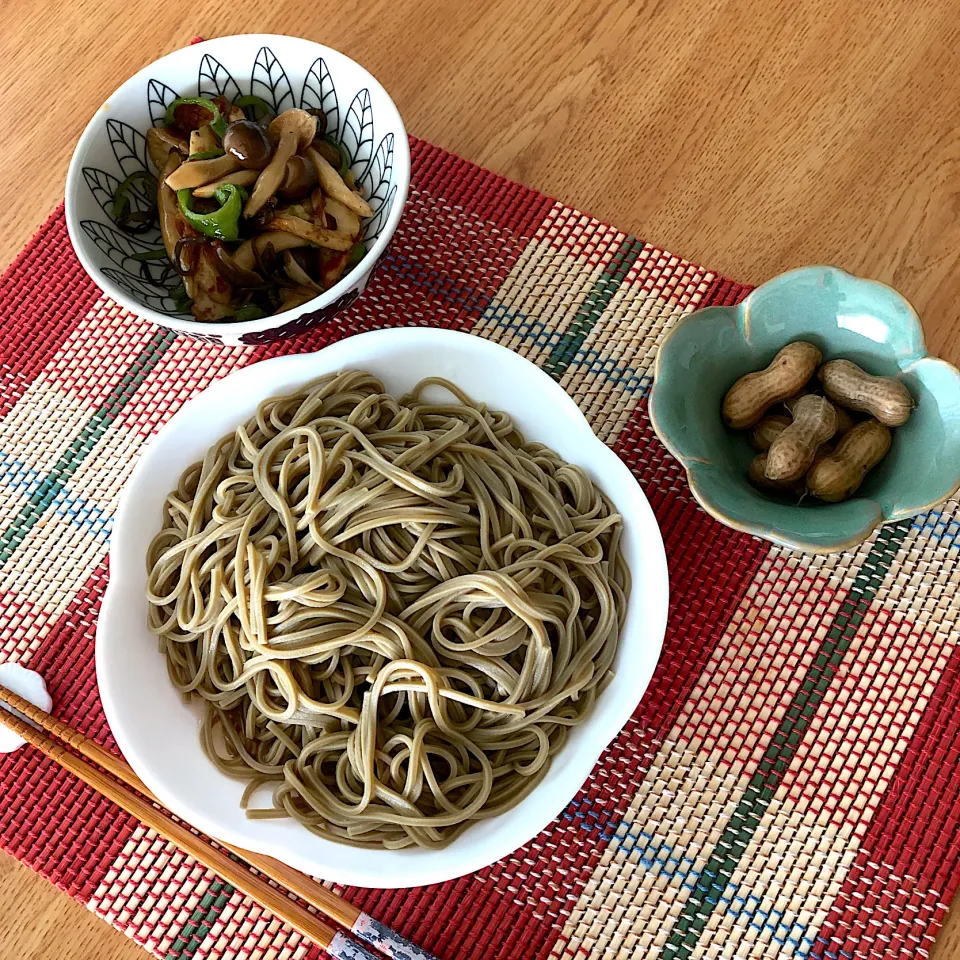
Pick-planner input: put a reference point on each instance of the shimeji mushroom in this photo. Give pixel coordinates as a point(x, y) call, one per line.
point(299, 179)
point(299, 121)
point(334, 187)
point(167, 206)
point(317, 235)
point(196, 173)
point(246, 257)
point(348, 223)
point(160, 142)
point(241, 178)
point(298, 275)
point(295, 297)
point(272, 175)
point(203, 140)
point(246, 140)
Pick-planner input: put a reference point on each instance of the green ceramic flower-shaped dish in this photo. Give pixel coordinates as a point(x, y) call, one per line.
point(861, 320)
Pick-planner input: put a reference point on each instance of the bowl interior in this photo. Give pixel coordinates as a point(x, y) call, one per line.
point(283, 71)
point(157, 731)
point(845, 317)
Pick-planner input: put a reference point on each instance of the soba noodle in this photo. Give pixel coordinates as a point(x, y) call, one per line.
point(393, 610)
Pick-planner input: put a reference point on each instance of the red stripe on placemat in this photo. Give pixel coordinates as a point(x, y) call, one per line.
point(910, 834)
point(43, 294)
point(57, 825)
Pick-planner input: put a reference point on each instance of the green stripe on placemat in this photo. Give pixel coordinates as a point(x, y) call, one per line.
point(719, 869)
point(70, 460)
point(195, 930)
point(596, 301)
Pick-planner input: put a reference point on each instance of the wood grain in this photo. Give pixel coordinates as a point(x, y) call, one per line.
point(749, 135)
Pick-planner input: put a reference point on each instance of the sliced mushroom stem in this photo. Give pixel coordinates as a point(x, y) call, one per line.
point(202, 140)
point(272, 175)
point(242, 178)
point(320, 236)
point(295, 297)
point(303, 124)
point(196, 173)
point(246, 258)
point(334, 187)
point(160, 142)
point(298, 275)
point(245, 279)
point(347, 221)
point(167, 206)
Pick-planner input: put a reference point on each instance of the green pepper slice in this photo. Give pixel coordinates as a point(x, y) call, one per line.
point(357, 253)
point(344, 165)
point(181, 301)
point(258, 105)
point(121, 198)
point(218, 124)
point(206, 155)
point(249, 312)
point(223, 223)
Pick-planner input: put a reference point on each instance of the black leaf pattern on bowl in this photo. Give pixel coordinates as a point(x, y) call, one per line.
point(268, 80)
point(374, 226)
point(103, 186)
point(376, 178)
point(319, 93)
point(159, 97)
point(120, 248)
point(357, 133)
point(215, 80)
point(129, 146)
point(152, 296)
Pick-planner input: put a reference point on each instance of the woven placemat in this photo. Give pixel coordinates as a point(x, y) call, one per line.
point(789, 785)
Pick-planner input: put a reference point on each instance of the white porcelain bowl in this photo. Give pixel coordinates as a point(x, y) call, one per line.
point(284, 71)
point(157, 730)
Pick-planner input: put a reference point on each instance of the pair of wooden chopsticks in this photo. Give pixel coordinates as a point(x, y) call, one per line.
point(145, 807)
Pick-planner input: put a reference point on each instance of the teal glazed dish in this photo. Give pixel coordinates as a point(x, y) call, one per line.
point(845, 316)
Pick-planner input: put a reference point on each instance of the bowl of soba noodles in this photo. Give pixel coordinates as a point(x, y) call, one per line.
point(376, 611)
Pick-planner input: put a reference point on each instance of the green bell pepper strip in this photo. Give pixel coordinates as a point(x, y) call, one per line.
point(121, 198)
point(344, 166)
point(249, 312)
point(160, 254)
point(181, 302)
point(206, 155)
point(218, 123)
point(223, 223)
point(357, 253)
point(260, 106)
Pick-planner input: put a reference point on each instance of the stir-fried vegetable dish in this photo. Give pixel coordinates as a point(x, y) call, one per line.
point(258, 213)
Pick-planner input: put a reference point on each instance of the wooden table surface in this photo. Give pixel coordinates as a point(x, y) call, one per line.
point(750, 135)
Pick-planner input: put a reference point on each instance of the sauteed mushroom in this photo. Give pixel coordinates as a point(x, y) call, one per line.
point(247, 142)
point(238, 190)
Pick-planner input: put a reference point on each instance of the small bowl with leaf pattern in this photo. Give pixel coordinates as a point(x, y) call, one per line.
point(845, 317)
point(111, 198)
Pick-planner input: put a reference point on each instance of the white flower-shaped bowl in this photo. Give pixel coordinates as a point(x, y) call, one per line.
point(158, 732)
point(285, 72)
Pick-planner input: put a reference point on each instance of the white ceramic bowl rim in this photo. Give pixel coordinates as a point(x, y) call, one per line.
point(235, 329)
point(152, 724)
